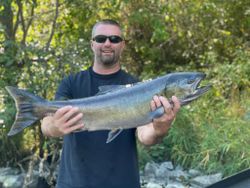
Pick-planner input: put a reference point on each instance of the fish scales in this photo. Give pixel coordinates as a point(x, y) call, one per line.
point(122, 107)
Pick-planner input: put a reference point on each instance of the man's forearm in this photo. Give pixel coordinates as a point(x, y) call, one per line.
point(155, 131)
point(147, 135)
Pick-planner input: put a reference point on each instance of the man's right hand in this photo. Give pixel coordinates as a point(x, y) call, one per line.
point(66, 120)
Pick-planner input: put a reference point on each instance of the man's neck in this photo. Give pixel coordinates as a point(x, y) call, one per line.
point(102, 69)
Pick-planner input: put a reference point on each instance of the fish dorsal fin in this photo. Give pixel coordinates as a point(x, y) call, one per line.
point(113, 134)
point(111, 88)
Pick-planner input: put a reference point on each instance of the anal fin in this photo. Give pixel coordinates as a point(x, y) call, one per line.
point(158, 112)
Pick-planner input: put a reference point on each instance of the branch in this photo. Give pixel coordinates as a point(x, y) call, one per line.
point(29, 22)
point(17, 21)
point(20, 11)
point(21, 19)
point(53, 26)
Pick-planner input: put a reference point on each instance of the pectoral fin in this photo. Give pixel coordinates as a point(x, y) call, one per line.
point(113, 134)
point(158, 112)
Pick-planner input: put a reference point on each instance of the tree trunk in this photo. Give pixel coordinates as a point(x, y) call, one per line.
point(6, 19)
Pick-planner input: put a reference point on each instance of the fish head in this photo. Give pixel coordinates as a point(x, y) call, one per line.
point(185, 86)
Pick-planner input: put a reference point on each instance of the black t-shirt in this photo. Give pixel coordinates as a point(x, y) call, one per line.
point(87, 161)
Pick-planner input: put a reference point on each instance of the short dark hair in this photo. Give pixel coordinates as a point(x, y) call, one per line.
point(105, 21)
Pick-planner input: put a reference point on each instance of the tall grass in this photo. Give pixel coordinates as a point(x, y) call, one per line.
point(212, 133)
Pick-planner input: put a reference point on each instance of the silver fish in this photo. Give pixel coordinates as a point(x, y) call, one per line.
point(116, 107)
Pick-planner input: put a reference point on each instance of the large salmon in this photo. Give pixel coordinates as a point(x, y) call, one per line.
point(116, 107)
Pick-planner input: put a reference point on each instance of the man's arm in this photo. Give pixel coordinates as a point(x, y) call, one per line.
point(153, 133)
point(66, 120)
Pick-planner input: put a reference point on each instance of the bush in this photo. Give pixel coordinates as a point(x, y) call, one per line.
point(212, 133)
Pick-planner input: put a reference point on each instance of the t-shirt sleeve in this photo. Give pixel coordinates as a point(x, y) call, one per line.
point(64, 90)
point(132, 79)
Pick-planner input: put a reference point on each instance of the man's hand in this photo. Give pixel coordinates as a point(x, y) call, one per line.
point(66, 120)
point(163, 123)
point(152, 133)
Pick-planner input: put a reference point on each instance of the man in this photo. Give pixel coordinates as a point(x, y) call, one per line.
point(87, 161)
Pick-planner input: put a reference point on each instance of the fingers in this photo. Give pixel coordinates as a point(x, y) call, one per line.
point(60, 112)
point(74, 120)
point(73, 128)
point(167, 106)
point(67, 119)
point(170, 108)
point(155, 103)
point(69, 114)
point(177, 104)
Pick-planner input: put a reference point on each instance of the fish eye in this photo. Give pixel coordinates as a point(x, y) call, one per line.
point(190, 81)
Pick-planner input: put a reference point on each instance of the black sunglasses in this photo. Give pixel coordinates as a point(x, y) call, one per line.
point(112, 38)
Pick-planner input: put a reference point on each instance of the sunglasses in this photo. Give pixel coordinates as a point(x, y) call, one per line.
point(112, 38)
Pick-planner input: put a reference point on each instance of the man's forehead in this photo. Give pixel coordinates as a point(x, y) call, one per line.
point(107, 29)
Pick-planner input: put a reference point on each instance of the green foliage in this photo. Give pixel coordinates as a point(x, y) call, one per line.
point(11, 151)
point(212, 133)
point(232, 77)
point(223, 122)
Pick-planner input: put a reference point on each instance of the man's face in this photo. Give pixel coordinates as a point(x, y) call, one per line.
point(107, 53)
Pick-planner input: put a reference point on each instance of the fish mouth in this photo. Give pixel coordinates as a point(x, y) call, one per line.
point(197, 90)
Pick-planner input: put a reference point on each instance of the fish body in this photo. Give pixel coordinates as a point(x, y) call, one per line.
point(115, 107)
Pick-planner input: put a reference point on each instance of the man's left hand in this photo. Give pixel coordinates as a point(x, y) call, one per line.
point(163, 123)
point(153, 132)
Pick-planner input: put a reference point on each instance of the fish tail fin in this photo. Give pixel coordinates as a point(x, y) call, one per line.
point(25, 115)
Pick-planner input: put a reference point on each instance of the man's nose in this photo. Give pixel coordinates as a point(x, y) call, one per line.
point(107, 42)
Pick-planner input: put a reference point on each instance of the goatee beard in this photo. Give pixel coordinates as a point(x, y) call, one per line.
point(109, 61)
